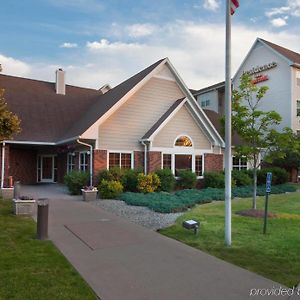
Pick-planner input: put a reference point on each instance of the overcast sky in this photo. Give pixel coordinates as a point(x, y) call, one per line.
point(100, 42)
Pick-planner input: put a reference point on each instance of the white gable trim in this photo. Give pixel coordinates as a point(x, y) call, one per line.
point(258, 40)
point(92, 131)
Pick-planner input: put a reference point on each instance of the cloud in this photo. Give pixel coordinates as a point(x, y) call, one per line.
point(68, 45)
point(104, 44)
point(277, 11)
point(212, 5)
point(140, 30)
point(279, 22)
point(12, 66)
point(199, 63)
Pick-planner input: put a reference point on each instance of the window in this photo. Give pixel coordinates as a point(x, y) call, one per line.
point(239, 163)
point(298, 78)
point(71, 162)
point(119, 160)
point(182, 162)
point(205, 103)
point(83, 161)
point(184, 141)
point(167, 161)
point(198, 165)
point(298, 108)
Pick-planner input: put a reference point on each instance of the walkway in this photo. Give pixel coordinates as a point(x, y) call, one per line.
point(124, 261)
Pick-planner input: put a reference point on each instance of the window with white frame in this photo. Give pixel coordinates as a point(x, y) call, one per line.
point(83, 161)
point(120, 160)
point(198, 165)
point(70, 162)
point(167, 161)
point(183, 141)
point(205, 103)
point(298, 108)
point(239, 163)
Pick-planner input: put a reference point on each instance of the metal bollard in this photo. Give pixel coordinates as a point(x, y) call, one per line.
point(42, 218)
point(17, 189)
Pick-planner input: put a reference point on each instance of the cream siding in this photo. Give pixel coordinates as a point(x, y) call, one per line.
point(124, 129)
point(181, 123)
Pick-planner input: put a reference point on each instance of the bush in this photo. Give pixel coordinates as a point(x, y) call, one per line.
point(148, 183)
point(214, 180)
point(110, 189)
point(130, 180)
point(75, 181)
point(241, 178)
point(167, 180)
point(111, 174)
point(279, 176)
point(187, 179)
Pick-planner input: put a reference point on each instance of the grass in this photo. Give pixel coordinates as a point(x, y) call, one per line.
point(33, 269)
point(274, 255)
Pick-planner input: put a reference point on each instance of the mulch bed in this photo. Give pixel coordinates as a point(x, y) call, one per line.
point(255, 213)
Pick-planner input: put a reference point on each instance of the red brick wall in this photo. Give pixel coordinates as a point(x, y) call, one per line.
point(139, 160)
point(154, 161)
point(100, 162)
point(22, 165)
point(213, 162)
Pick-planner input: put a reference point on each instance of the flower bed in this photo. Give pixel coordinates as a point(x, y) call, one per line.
point(173, 202)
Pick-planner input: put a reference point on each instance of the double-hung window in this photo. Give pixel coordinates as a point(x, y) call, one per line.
point(239, 163)
point(119, 160)
point(83, 161)
point(70, 162)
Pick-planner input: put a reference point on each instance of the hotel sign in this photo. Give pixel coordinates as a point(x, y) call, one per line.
point(259, 69)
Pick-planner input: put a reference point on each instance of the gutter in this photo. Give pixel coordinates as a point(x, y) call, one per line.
point(2, 164)
point(91, 158)
point(145, 156)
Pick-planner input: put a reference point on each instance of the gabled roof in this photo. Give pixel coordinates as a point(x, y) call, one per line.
point(294, 57)
point(216, 86)
point(173, 108)
point(49, 117)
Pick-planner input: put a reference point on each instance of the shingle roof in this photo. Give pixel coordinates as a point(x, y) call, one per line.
point(289, 54)
point(49, 117)
point(162, 119)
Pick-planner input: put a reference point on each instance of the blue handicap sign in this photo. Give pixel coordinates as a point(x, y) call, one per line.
point(268, 182)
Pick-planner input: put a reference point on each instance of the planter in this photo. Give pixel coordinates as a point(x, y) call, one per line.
point(7, 193)
point(23, 207)
point(89, 195)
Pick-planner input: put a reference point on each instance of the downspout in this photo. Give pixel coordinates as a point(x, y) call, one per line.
point(91, 158)
point(2, 165)
point(145, 157)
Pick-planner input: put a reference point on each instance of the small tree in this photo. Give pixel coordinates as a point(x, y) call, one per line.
point(9, 122)
point(255, 127)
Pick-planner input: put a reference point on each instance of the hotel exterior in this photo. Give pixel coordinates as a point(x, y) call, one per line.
point(149, 121)
point(271, 65)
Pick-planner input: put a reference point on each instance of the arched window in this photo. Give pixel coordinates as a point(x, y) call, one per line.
point(183, 141)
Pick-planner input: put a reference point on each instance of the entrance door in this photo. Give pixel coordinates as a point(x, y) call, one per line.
point(46, 168)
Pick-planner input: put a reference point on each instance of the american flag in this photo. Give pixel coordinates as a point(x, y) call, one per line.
point(234, 5)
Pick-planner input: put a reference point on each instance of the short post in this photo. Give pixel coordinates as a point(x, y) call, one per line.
point(268, 190)
point(42, 218)
point(17, 189)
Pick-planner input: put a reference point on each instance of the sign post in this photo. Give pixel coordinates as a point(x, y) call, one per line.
point(268, 191)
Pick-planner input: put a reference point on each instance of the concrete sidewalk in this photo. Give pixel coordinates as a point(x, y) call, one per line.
point(124, 261)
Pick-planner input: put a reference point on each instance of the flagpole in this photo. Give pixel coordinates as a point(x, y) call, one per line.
point(228, 159)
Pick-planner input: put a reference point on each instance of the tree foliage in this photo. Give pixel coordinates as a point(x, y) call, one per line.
point(255, 127)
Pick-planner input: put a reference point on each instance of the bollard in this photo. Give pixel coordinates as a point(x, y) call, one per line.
point(17, 189)
point(42, 218)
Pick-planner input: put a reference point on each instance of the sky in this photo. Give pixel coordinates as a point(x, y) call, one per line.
point(99, 42)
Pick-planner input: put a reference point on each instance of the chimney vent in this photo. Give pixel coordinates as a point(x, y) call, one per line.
point(105, 88)
point(60, 82)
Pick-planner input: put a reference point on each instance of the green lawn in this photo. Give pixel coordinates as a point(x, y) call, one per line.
point(275, 255)
point(33, 269)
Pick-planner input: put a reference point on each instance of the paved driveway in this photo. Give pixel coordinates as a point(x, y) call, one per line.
point(124, 261)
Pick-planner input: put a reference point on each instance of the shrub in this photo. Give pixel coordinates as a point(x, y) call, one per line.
point(111, 174)
point(130, 180)
point(279, 176)
point(214, 180)
point(241, 178)
point(148, 183)
point(187, 179)
point(110, 189)
point(75, 181)
point(167, 180)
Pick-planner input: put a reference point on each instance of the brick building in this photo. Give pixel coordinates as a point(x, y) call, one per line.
point(149, 121)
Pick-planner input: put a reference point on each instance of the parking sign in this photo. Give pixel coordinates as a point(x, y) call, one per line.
point(268, 182)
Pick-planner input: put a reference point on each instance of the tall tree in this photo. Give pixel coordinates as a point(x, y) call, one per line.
point(254, 126)
point(9, 122)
